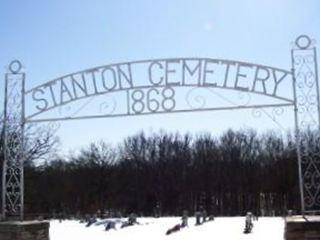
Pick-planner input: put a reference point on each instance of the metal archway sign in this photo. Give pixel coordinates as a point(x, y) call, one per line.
point(160, 86)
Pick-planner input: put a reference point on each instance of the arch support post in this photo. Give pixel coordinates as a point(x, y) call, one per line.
point(307, 122)
point(13, 133)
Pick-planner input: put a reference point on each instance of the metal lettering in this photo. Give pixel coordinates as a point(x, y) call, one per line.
point(186, 70)
point(112, 79)
point(241, 75)
point(152, 101)
point(79, 86)
point(49, 85)
point(277, 81)
point(206, 72)
point(226, 76)
point(126, 76)
point(151, 80)
point(64, 90)
point(262, 80)
point(183, 72)
point(138, 97)
point(39, 99)
point(168, 71)
point(93, 77)
point(168, 98)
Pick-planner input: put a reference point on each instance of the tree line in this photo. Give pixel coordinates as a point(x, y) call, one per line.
point(167, 173)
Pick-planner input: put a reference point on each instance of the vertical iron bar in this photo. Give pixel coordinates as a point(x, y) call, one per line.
point(4, 165)
point(22, 148)
point(297, 133)
point(317, 83)
point(128, 102)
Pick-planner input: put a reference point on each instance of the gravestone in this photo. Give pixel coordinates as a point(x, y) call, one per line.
point(91, 221)
point(204, 216)
point(132, 219)
point(110, 225)
point(184, 219)
point(248, 223)
point(157, 211)
point(198, 218)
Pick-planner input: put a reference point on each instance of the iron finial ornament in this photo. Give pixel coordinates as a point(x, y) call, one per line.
point(15, 67)
point(303, 42)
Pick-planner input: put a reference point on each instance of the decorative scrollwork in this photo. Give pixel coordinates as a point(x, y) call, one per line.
point(194, 100)
point(307, 120)
point(13, 141)
point(273, 115)
point(244, 98)
point(278, 111)
point(54, 127)
point(257, 112)
point(108, 106)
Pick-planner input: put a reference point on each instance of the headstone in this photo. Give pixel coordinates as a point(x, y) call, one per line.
point(132, 219)
point(87, 218)
point(157, 211)
point(125, 224)
point(204, 216)
point(248, 223)
point(110, 225)
point(198, 218)
point(99, 214)
point(184, 219)
point(60, 216)
point(91, 221)
point(212, 207)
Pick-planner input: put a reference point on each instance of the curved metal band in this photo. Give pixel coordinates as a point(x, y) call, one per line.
point(230, 62)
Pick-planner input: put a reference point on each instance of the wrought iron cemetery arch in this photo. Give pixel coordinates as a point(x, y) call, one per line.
point(159, 96)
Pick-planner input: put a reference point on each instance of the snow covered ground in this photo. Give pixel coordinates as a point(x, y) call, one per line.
point(222, 228)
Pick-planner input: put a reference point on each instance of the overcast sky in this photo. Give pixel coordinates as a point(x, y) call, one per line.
point(54, 38)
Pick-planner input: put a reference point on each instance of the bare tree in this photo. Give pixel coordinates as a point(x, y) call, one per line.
point(39, 141)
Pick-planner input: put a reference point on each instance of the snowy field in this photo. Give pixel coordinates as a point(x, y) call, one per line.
point(222, 228)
